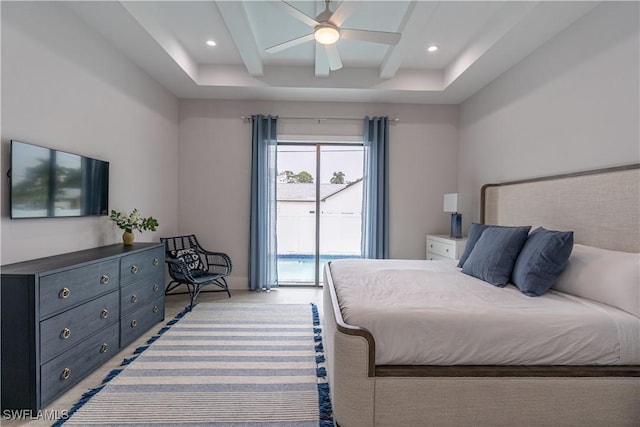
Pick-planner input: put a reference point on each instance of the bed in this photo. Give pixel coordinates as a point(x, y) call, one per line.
point(485, 368)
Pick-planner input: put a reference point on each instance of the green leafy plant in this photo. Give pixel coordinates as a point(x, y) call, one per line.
point(133, 221)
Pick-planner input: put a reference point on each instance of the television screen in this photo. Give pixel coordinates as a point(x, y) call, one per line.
point(50, 183)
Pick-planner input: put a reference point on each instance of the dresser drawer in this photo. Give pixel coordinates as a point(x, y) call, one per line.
point(70, 367)
point(435, 257)
point(446, 250)
point(139, 293)
point(134, 324)
point(61, 332)
point(65, 289)
point(141, 264)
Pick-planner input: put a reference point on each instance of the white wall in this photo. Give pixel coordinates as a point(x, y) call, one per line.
point(215, 165)
point(570, 106)
point(64, 87)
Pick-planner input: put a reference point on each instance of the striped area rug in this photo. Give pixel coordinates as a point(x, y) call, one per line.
point(220, 365)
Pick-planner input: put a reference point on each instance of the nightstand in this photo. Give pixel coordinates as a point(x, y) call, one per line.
point(445, 247)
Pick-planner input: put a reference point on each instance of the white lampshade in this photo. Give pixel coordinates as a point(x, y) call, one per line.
point(451, 202)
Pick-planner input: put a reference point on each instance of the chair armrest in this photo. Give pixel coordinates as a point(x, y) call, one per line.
point(217, 262)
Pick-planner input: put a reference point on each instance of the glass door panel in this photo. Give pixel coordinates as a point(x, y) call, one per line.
point(341, 170)
point(296, 207)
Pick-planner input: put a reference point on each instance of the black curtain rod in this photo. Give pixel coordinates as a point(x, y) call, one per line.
point(248, 118)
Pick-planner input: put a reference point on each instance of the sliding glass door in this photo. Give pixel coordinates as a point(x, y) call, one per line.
point(319, 205)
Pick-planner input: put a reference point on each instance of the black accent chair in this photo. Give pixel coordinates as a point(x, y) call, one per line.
point(195, 267)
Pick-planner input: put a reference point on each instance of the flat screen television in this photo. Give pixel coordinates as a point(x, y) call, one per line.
point(50, 183)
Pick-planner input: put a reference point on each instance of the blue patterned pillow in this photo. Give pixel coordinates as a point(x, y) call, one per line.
point(495, 253)
point(190, 257)
point(472, 237)
point(542, 259)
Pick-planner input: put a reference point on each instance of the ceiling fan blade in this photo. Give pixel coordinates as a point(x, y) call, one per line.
point(370, 36)
point(300, 16)
point(335, 63)
point(342, 12)
point(291, 43)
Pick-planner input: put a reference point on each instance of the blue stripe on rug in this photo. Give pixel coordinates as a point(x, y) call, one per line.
point(236, 338)
point(144, 409)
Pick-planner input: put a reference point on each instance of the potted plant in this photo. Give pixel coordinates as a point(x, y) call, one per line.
point(132, 221)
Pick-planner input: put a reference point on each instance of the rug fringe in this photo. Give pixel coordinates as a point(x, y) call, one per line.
point(324, 395)
point(316, 315)
point(111, 375)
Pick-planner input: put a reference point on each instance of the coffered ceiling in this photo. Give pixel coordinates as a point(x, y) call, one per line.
point(477, 41)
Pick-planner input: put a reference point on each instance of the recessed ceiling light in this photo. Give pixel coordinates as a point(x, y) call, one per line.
point(211, 43)
point(433, 48)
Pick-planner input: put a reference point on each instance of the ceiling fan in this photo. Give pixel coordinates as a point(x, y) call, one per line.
point(327, 31)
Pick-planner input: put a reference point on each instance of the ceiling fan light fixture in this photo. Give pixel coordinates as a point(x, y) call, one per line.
point(326, 34)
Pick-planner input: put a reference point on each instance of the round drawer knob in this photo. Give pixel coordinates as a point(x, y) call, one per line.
point(430, 246)
point(66, 333)
point(104, 313)
point(134, 298)
point(447, 250)
point(134, 323)
point(134, 269)
point(104, 347)
point(155, 287)
point(104, 279)
point(155, 261)
point(155, 309)
point(65, 374)
point(64, 293)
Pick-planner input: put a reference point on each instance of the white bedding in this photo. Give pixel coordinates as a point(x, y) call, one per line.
point(429, 313)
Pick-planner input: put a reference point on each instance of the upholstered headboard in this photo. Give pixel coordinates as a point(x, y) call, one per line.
point(601, 207)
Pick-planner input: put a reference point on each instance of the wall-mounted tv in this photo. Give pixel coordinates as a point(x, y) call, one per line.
point(50, 183)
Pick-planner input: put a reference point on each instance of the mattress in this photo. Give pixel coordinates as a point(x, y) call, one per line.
point(430, 313)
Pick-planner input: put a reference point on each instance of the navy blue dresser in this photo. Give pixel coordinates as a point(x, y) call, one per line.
point(65, 315)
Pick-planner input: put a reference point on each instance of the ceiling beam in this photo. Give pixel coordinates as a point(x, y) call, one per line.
point(414, 24)
point(144, 14)
point(516, 31)
point(504, 21)
point(237, 22)
point(299, 78)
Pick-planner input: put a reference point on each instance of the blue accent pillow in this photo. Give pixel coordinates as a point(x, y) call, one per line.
point(474, 234)
point(544, 256)
point(495, 253)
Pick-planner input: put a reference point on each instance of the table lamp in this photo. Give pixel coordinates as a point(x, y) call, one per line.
point(451, 205)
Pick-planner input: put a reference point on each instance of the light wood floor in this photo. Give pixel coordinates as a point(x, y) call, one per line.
point(173, 305)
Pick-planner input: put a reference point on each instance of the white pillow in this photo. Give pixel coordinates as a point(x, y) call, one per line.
point(610, 277)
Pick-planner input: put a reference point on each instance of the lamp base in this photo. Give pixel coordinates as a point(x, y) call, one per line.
point(456, 226)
